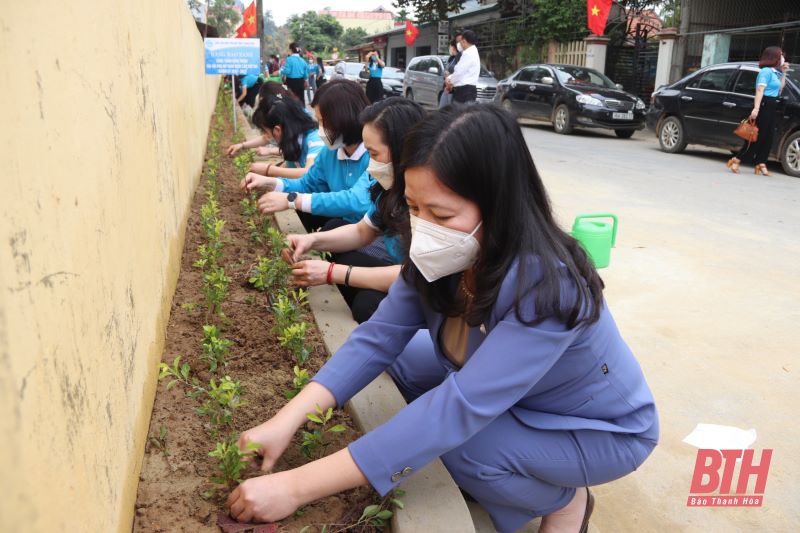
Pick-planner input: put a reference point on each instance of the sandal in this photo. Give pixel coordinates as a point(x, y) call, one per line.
point(733, 164)
point(761, 169)
point(589, 508)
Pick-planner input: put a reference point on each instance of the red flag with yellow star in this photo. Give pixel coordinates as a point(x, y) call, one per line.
point(248, 27)
point(597, 15)
point(411, 33)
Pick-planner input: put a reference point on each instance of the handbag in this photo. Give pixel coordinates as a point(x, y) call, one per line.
point(747, 130)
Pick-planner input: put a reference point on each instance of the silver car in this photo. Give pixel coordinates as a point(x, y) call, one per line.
point(424, 81)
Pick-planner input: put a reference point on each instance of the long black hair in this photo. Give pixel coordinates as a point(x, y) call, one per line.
point(479, 153)
point(294, 122)
point(393, 118)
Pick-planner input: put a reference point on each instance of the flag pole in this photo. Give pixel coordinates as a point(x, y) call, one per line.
point(233, 98)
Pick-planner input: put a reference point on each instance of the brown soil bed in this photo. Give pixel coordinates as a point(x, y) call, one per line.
point(170, 495)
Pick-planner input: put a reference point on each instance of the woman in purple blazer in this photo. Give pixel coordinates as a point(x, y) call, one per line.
point(498, 335)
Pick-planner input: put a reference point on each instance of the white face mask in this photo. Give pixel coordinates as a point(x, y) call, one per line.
point(382, 172)
point(335, 145)
point(783, 60)
point(459, 47)
point(438, 251)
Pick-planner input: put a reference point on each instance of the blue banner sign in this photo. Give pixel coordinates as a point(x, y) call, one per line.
point(233, 56)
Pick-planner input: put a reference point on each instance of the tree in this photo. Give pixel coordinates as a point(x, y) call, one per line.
point(222, 16)
point(353, 36)
point(315, 32)
point(429, 10)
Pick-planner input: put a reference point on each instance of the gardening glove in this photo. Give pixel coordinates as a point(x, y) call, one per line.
point(310, 273)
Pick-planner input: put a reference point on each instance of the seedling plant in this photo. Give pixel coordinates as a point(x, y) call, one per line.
point(318, 439)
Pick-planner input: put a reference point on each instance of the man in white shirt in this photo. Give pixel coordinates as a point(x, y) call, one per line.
point(463, 82)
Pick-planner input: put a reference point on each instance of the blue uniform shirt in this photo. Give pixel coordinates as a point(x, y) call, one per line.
point(295, 67)
point(392, 241)
point(311, 146)
point(771, 79)
point(375, 70)
point(248, 81)
point(339, 185)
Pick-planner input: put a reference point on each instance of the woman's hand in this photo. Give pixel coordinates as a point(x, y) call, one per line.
point(273, 202)
point(234, 148)
point(310, 273)
point(264, 499)
point(272, 439)
point(753, 114)
point(268, 150)
point(256, 181)
point(300, 244)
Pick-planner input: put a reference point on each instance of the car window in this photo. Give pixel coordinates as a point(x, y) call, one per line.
point(570, 75)
point(540, 73)
point(746, 82)
point(712, 80)
point(525, 75)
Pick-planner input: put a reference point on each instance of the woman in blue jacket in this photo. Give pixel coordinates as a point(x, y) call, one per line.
point(337, 185)
point(295, 72)
point(497, 334)
point(363, 278)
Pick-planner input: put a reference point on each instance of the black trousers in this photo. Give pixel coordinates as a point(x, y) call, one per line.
point(297, 86)
point(374, 90)
point(362, 302)
point(465, 94)
point(757, 153)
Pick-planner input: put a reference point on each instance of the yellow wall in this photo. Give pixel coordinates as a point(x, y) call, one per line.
point(104, 113)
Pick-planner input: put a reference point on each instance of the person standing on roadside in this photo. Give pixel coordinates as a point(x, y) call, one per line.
point(313, 71)
point(296, 72)
point(463, 82)
point(769, 85)
point(375, 86)
point(447, 97)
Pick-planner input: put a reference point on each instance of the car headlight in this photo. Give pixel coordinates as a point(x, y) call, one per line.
point(588, 100)
point(639, 104)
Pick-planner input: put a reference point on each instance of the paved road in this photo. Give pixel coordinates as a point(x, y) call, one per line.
point(703, 283)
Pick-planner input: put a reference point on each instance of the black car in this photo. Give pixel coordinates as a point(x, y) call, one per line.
point(392, 80)
point(706, 106)
point(570, 96)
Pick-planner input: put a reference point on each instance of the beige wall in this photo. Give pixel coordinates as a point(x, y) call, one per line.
point(104, 112)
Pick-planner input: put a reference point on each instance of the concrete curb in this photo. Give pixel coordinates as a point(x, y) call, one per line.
point(433, 502)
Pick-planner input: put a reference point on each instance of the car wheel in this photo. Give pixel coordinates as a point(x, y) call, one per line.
point(790, 155)
point(410, 94)
point(562, 121)
point(624, 134)
point(671, 135)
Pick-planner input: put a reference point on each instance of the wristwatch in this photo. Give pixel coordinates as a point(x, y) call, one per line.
point(291, 197)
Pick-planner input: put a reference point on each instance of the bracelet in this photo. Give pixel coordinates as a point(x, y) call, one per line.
point(347, 276)
point(329, 279)
point(269, 166)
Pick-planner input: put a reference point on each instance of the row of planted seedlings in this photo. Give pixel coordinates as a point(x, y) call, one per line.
point(221, 397)
point(289, 307)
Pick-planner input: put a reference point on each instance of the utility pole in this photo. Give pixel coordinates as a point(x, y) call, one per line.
point(679, 53)
point(260, 30)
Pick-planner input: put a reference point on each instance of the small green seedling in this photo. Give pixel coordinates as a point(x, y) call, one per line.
point(223, 400)
point(249, 205)
point(160, 442)
point(180, 373)
point(301, 379)
point(288, 309)
point(189, 307)
point(231, 461)
point(268, 273)
point(276, 240)
point(215, 347)
point(294, 338)
point(315, 441)
point(215, 288)
point(250, 299)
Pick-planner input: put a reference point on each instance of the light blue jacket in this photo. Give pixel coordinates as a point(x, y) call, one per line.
point(295, 67)
point(339, 185)
point(548, 376)
point(311, 145)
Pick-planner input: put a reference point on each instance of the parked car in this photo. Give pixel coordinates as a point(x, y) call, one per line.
point(392, 80)
point(706, 106)
point(351, 70)
point(570, 96)
point(424, 81)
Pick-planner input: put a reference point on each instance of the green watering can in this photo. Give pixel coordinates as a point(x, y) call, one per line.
point(596, 236)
